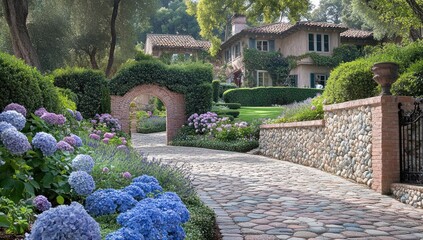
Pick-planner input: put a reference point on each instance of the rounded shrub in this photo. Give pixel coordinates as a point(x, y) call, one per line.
point(90, 86)
point(230, 105)
point(410, 83)
point(351, 81)
point(225, 86)
point(23, 84)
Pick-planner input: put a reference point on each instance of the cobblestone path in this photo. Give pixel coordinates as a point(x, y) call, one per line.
point(257, 198)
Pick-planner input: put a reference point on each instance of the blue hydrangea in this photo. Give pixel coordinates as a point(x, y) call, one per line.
point(135, 191)
point(108, 201)
point(157, 218)
point(70, 111)
point(14, 141)
point(4, 126)
point(78, 140)
point(148, 187)
point(78, 116)
point(16, 119)
point(41, 203)
point(145, 179)
point(125, 234)
point(65, 222)
point(81, 182)
point(45, 142)
point(83, 162)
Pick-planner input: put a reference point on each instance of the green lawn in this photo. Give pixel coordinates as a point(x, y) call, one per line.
point(249, 114)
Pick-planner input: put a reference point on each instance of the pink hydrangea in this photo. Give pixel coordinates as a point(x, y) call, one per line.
point(108, 135)
point(70, 140)
point(94, 136)
point(126, 175)
point(106, 140)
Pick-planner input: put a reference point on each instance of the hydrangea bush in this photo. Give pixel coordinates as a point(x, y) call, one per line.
point(81, 182)
point(16, 119)
point(45, 142)
point(83, 162)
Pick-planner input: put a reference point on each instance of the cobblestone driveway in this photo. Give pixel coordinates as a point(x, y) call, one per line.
point(256, 197)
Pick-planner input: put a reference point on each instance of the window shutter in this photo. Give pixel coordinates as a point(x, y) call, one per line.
point(312, 80)
point(252, 43)
point(271, 45)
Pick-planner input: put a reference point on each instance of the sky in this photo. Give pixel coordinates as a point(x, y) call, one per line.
point(315, 2)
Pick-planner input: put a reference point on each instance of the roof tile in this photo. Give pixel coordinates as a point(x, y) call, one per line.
point(354, 33)
point(177, 41)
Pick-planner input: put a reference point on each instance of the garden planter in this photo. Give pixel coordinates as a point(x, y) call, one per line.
point(385, 73)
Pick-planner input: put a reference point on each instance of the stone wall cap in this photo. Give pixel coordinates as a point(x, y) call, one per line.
point(407, 186)
point(373, 101)
point(314, 123)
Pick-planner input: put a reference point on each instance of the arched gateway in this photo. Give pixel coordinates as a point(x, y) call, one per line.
point(174, 103)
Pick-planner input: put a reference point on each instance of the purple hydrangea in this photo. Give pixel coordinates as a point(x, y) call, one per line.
point(41, 203)
point(106, 140)
point(81, 182)
point(94, 136)
point(203, 122)
point(122, 147)
point(71, 112)
point(70, 140)
point(78, 140)
point(53, 119)
point(16, 119)
point(60, 119)
point(45, 142)
point(106, 170)
point(14, 141)
point(108, 135)
point(108, 201)
point(78, 116)
point(65, 222)
point(83, 162)
point(109, 121)
point(39, 112)
point(4, 126)
point(64, 146)
point(17, 107)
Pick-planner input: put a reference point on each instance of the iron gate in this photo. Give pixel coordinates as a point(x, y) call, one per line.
point(411, 144)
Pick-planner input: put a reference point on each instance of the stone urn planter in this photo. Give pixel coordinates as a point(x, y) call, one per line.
point(385, 73)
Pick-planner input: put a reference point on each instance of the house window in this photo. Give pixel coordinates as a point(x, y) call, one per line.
point(263, 78)
point(320, 80)
point(262, 45)
point(228, 55)
point(293, 80)
point(318, 42)
point(237, 50)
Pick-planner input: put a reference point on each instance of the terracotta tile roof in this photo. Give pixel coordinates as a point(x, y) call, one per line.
point(176, 41)
point(354, 33)
point(274, 28)
point(322, 25)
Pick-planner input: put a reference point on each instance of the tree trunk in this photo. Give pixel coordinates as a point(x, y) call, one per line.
point(417, 9)
point(113, 33)
point(93, 60)
point(16, 13)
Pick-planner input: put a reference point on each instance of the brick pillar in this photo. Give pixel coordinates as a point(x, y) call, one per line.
point(385, 140)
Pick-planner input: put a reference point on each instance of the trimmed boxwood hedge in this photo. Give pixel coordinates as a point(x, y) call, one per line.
point(215, 86)
point(267, 96)
point(223, 87)
point(230, 105)
point(23, 84)
point(90, 86)
point(192, 80)
point(233, 113)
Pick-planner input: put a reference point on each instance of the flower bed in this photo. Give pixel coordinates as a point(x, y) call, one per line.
point(148, 122)
point(210, 131)
point(82, 176)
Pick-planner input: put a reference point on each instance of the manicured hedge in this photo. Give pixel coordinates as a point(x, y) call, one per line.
point(223, 87)
point(230, 105)
point(192, 80)
point(267, 96)
point(233, 113)
point(23, 84)
point(89, 85)
point(411, 82)
point(200, 142)
point(215, 87)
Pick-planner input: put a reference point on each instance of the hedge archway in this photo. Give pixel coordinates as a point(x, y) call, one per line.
point(184, 89)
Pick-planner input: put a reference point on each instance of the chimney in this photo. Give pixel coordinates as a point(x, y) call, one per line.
point(239, 23)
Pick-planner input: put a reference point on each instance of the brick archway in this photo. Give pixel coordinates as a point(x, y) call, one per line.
point(174, 103)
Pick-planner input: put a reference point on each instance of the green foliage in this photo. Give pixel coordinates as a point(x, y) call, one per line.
point(310, 109)
point(268, 96)
point(15, 217)
point(193, 80)
point(151, 124)
point(202, 220)
point(23, 84)
point(351, 81)
point(215, 87)
point(239, 145)
point(66, 102)
point(411, 82)
point(233, 113)
point(273, 62)
point(89, 85)
point(141, 56)
point(225, 86)
point(344, 53)
point(230, 105)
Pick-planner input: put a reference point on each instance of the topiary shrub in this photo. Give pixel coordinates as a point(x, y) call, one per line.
point(411, 82)
point(215, 87)
point(225, 86)
point(230, 105)
point(23, 84)
point(351, 81)
point(89, 85)
point(268, 96)
point(193, 80)
point(233, 113)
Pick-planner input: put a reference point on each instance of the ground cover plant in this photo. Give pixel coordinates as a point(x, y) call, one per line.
point(151, 122)
point(84, 181)
point(208, 130)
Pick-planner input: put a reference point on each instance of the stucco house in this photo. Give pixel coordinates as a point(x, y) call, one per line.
point(290, 40)
point(159, 44)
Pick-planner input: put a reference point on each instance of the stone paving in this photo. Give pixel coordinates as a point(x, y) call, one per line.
point(258, 198)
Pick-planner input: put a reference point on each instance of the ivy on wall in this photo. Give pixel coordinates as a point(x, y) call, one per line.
point(272, 62)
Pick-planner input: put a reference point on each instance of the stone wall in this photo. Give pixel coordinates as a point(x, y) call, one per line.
point(357, 140)
point(408, 194)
